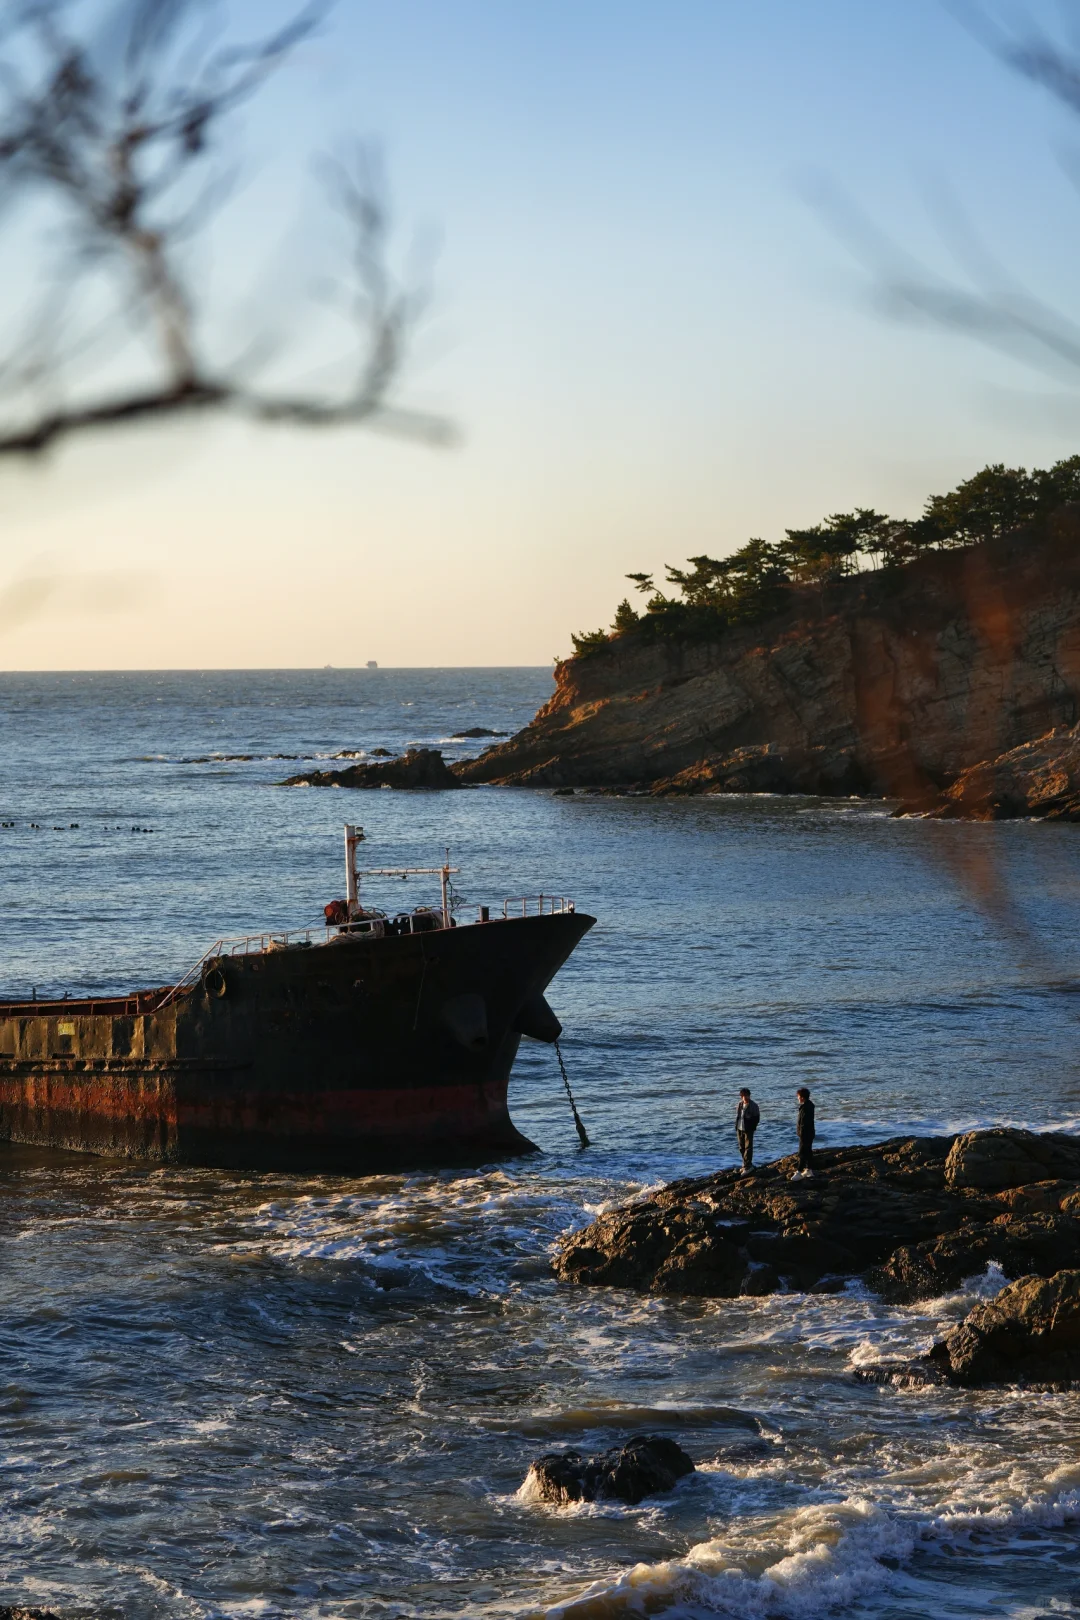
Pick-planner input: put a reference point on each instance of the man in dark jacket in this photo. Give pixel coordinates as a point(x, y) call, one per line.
point(804, 1127)
point(747, 1118)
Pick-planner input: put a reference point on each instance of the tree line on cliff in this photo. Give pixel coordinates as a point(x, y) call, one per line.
point(755, 580)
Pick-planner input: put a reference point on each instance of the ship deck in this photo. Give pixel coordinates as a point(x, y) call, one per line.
point(131, 1005)
point(376, 925)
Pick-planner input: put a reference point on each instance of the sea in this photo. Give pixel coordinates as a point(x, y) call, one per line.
point(253, 1396)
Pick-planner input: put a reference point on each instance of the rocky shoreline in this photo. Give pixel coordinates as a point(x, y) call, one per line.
point(1040, 779)
point(912, 1217)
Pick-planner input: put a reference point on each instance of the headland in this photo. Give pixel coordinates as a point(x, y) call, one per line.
point(788, 669)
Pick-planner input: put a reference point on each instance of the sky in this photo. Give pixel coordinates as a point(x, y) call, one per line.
point(646, 327)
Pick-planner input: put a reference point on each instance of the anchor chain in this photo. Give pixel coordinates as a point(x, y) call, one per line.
point(583, 1136)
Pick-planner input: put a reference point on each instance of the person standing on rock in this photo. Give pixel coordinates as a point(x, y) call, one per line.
point(804, 1126)
point(747, 1119)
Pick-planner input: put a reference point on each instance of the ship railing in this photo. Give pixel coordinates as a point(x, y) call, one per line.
point(258, 944)
point(374, 927)
point(236, 945)
point(193, 973)
point(426, 920)
point(536, 905)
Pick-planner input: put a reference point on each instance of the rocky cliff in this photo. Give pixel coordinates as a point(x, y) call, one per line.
point(892, 683)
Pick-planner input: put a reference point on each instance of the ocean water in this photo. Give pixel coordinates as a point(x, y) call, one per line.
point(227, 1395)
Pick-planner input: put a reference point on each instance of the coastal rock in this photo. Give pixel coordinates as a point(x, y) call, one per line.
point(1037, 1243)
point(1031, 1330)
point(1041, 1198)
point(647, 1465)
point(417, 768)
point(997, 1159)
point(921, 1371)
point(1029, 1334)
point(891, 685)
point(681, 1251)
point(900, 1214)
point(1040, 778)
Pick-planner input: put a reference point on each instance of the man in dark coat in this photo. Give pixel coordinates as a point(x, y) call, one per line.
point(747, 1118)
point(804, 1126)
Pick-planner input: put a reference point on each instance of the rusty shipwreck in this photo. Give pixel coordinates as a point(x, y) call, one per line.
point(380, 1041)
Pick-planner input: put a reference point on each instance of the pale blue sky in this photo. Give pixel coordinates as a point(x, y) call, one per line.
point(651, 341)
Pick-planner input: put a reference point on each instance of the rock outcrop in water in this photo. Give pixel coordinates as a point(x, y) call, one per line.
point(647, 1465)
point(1029, 1334)
point(894, 685)
point(1040, 778)
point(417, 768)
point(914, 1216)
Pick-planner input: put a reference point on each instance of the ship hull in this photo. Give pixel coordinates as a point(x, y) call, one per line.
point(359, 1055)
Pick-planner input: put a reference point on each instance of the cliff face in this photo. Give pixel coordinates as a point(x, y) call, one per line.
point(893, 684)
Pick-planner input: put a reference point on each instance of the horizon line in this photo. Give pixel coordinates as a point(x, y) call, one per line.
point(273, 669)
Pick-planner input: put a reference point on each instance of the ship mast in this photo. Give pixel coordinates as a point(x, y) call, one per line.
point(354, 836)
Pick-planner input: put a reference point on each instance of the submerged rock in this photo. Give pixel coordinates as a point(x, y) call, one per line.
point(913, 1216)
point(417, 768)
point(1029, 1334)
point(647, 1465)
point(917, 1373)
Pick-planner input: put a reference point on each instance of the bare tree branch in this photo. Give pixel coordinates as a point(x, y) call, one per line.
point(119, 131)
point(990, 306)
point(985, 302)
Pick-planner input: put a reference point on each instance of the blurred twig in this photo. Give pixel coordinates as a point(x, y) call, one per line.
point(984, 302)
point(120, 127)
